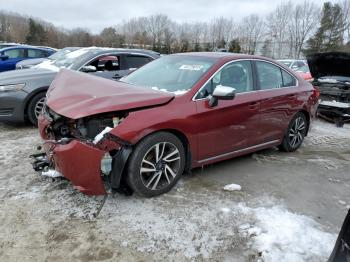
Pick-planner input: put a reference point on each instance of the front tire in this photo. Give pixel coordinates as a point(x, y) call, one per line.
point(156, 164)
point(295, 133)
point(35, 107)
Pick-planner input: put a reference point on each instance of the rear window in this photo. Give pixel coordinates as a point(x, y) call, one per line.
point(35, 53)
point(271, 76)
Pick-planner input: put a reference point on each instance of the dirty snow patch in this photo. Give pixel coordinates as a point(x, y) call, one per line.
point(335, 104)
point(232, 187)
point(284, 236)
point(51, 173)
point(100, 135)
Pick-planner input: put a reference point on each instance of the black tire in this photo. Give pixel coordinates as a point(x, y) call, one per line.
point(146, 183)
point(33, 107)
point(295, 133)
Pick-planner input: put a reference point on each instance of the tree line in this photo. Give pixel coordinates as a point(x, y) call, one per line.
point(289, 31)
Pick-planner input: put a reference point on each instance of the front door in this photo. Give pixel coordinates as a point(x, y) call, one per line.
point(232, 124)
point(14, 56)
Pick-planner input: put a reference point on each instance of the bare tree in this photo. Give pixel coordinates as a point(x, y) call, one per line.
point(220, 31)
point(277, 22)
point(304, 18)
point(345, 6)
point(250, 31)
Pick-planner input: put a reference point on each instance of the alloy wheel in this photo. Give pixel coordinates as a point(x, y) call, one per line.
point(160, 165)
point(296, 132)
point(39, 107)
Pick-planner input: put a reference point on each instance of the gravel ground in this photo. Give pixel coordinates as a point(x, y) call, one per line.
point(291, 206)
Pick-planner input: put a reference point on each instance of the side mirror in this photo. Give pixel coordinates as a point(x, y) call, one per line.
point(4, 57)
point(222, 93)
point(88, 69)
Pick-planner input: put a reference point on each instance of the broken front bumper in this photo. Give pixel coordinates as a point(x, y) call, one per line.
point(80, 162)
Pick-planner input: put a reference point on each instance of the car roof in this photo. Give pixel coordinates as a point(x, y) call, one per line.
point(107, 50)
point(224, 55)
point(24, 46)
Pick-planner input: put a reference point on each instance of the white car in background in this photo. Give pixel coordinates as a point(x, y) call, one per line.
point(293, 64)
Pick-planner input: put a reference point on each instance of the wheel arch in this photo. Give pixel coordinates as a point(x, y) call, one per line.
point(184, 140)
point(31, 96)
point(308, 119)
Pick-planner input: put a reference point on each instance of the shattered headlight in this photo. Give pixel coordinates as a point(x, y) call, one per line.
point(13, 87)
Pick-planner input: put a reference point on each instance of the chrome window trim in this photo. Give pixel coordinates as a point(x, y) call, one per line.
point(115, 53)
point(239, 151)
point(246, 59)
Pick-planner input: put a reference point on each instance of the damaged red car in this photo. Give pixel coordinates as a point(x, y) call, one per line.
point(179, 112)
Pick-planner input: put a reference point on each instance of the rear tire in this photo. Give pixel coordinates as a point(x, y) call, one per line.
point(35, 107)
point(156, 164)
point(295, 133)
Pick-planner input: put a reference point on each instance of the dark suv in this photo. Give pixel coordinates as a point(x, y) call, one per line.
point(22, 92)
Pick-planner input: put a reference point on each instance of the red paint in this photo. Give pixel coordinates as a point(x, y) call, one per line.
point(81, 164)
point(250, 119)
point(80, 95)
point(306, 76)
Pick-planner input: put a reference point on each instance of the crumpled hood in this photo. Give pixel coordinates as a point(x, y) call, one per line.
point(76, 95)
point(329, 64)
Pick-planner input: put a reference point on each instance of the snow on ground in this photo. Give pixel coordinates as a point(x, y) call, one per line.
point(47, 219)
point(281, 235)
point(232, 187)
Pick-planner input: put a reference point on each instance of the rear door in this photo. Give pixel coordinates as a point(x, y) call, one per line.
point(278, 96)
point(232, 124)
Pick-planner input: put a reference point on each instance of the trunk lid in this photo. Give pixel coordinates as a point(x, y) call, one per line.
point(76, 95)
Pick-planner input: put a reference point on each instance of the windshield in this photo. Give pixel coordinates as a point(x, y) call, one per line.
point(174, 73)
point(285, 62)
point(304, 69)
point(73, 59)
point(61, 53)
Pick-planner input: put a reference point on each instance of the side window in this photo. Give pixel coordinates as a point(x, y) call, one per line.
point(238, 75)
point(288, 80)
point(106, 63)
point(300, 64)
point(15, 53)
point(269, 75)
point(136, 61)
point(35, 53)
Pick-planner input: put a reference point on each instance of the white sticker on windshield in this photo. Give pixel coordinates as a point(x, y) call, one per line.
point(191, 67)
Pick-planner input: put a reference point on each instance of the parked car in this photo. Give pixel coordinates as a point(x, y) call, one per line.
point(175, 113)
point(5, 44)
point(24, 64)
point(304, 72)
point(293, 64)
point(331, 72)
point(10, 56)
point(22, 92)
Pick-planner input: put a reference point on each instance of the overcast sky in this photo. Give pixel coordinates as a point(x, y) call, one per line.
point(95, 15)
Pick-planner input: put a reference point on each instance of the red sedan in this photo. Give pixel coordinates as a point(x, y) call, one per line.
point(179, 112)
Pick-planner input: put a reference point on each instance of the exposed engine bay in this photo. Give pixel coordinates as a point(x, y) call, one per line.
point(334, 104)
point(331, 72)
point(92, 133)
